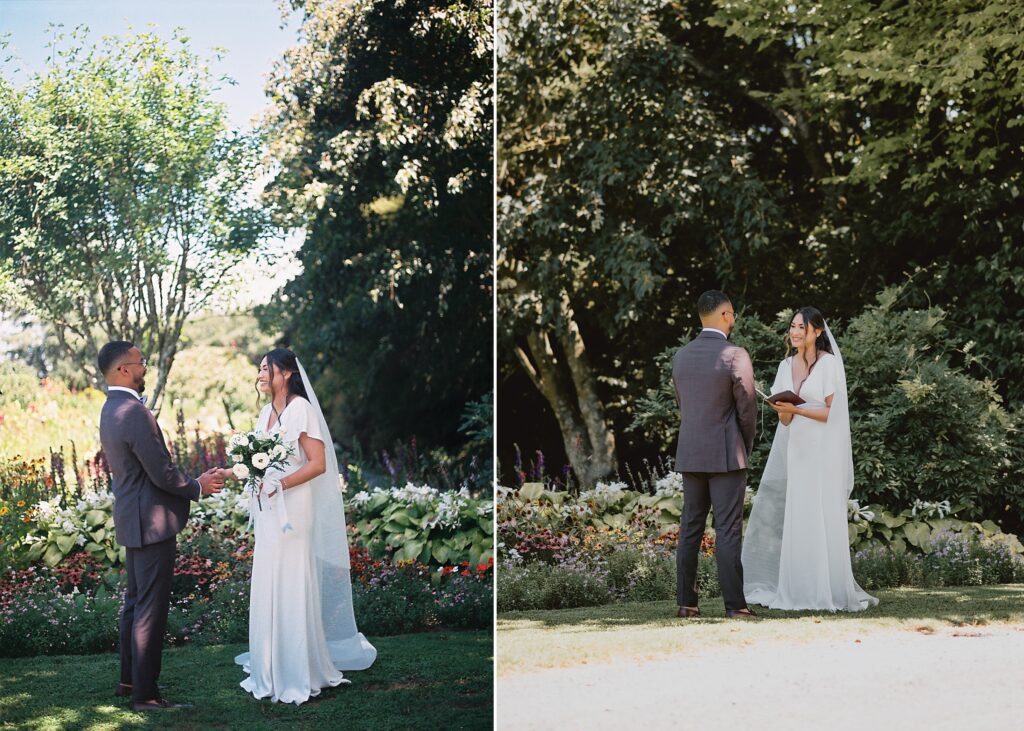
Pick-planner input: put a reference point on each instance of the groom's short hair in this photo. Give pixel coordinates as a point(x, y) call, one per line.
point(111, 353)
point(710, 301)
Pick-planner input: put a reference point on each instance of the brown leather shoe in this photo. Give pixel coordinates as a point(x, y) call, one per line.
point(740, 614)
point(160, 705)
point(688, 612)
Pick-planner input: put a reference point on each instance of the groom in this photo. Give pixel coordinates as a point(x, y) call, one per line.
point(714, 388)
point(151, 505)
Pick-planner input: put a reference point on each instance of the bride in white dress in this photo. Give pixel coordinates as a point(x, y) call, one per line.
point(796, 552)
point(302, 631)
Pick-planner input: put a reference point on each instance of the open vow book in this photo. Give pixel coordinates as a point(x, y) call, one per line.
point(783, 397)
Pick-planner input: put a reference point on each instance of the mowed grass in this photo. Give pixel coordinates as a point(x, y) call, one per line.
point(420, 681)
point(531, 641)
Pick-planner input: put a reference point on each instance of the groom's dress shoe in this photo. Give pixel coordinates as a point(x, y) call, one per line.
point(740, 614)
point(160, 705)
point(688, 612)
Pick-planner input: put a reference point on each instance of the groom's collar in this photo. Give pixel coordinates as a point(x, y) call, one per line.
point(124, 389)
point(710, 330)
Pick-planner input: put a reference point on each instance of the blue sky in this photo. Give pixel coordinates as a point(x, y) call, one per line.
point(249, 30)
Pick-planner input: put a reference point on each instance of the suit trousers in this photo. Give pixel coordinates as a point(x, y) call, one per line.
point(147, 601)
point(723, 493)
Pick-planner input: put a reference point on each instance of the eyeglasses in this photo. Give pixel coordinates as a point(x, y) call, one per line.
point(141, 363)
point(729, 312)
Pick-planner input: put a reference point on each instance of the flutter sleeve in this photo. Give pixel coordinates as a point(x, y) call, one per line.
point(780, 384)
point(828, 376)
point(303, 420)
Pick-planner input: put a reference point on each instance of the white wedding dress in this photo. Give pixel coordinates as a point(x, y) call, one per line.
point(796, 552)
point(302, 631)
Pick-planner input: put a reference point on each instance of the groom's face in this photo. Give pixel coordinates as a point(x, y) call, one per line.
point(135, 367)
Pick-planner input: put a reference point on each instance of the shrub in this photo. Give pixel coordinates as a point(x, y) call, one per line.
point(541, 586)
point(639, 576)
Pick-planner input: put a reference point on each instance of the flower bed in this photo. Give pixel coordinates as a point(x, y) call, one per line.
point(616, 544)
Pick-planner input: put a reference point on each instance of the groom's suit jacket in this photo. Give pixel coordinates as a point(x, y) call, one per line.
point(714, 384)
point(151, 495)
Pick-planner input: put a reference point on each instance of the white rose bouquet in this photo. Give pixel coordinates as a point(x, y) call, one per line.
point(255, 452)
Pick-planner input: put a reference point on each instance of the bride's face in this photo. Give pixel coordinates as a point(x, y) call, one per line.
point(801, 334)
point(270, 380)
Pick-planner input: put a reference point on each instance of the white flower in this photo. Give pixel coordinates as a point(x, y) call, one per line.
point(240, 471)
point(279, 452)
point(238, 440)
point(236, 458)
point(149, 167)
point(360, 497)
point(81, 505)
point(670, 485)
point(260, 460)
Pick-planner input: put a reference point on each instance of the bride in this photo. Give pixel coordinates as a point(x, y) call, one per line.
point(796, 552)
point(302, 631)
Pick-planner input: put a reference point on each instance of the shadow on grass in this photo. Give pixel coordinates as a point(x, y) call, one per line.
point(428, 680)
point(956, 606)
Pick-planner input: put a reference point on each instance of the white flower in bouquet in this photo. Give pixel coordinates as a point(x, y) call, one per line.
point(260, 460)
point(236, 458)
point(238, 440)
point(279, 452)
point(241, 471)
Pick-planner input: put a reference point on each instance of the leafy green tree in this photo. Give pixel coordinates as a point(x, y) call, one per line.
point(382, 132)
point(874, 143)
point(125, 200)
point(621, 196)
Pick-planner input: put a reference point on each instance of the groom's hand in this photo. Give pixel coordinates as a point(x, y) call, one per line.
point(226, 474)
point(211, 482)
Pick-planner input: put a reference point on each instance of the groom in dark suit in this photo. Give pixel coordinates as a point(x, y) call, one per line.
point(151, 505)
point(714, 387)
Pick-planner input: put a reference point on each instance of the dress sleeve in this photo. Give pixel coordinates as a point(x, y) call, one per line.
point(780, 379)
point(828, 377)
point(302, 419)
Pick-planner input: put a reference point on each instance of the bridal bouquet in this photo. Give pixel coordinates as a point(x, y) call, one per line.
point(255, 452)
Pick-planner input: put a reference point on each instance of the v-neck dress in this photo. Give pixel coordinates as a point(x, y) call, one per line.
point(796, 554)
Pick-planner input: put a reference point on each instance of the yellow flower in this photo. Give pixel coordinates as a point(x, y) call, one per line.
point(4, 510)
point(21, 503)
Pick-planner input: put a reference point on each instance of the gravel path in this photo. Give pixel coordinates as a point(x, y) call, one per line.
point(962, 679)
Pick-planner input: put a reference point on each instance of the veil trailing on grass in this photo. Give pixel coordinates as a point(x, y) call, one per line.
point(348, 648)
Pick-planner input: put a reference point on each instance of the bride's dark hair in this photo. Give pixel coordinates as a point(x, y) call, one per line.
point(812, 317)
point(282, 359)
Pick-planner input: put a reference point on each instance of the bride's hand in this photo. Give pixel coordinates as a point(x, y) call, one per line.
point(782, 407)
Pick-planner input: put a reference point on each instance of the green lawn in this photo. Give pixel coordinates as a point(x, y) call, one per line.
point(529, 641)
point(439, 680)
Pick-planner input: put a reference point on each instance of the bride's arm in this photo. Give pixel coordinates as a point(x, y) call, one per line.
point(316, 466)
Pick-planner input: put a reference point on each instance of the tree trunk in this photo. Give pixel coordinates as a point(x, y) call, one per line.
point(568, 383)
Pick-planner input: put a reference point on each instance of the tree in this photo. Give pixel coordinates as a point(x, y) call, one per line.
point(621, 196)
point(382, 133)
point(856, 145)
point(125, 200)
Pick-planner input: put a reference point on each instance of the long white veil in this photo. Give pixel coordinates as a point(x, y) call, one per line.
point(348, 648)
point(762, 543)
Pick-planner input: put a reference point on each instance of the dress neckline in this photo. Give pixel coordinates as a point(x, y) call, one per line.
point(281, 415)
point(792, 381)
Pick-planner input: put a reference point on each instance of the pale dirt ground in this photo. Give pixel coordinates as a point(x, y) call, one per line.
point(962, 678)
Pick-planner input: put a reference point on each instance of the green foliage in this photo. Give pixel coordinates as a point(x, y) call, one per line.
point(125, 198)
point(420, 523)
point(382, 130)
point(870, 142)
point(923, 426)
point(545, 586)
